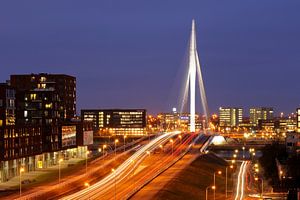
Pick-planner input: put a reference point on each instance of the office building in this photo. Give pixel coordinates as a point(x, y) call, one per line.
point(260, 113)
point(230, 116)
point(130, 122)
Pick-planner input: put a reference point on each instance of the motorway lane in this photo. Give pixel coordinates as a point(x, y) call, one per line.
point(123, 171)
point(97, 169)
point(151, 190)
point(126, 187)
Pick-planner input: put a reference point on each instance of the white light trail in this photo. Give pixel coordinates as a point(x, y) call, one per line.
point(241, 181)
point(122, 171)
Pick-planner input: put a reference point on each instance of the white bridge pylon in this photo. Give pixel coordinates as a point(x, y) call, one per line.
point(194, 72)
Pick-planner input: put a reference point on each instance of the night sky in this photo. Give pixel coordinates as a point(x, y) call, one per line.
point(130, 53)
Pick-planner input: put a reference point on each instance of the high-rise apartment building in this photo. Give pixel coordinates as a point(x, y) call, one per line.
point(230, 117)
point(46, 100)
point(59, 88)
point(7, 105)
point(260, 113)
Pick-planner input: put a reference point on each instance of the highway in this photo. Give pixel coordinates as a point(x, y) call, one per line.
point(240, 186)
point(123, 171)
point(138, 168)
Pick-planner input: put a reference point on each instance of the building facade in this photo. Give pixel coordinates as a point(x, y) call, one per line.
point(116, 121)
point(38, 124)
point(260, 113)
point(7, 105)
point(230, 117)
point(64, 86)
point(46, 100)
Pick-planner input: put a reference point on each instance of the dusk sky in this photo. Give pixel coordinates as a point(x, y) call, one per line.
point(130, 53)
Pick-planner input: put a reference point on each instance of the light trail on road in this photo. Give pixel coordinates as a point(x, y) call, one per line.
point(124, 170)
point(241, 181)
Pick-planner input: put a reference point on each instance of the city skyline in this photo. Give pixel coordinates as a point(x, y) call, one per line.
point(242, 63)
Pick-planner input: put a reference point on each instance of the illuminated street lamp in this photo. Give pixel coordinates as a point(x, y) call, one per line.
point(104, 147)
point(125, 136)
point(162, 147)
point(219, 172)
point(206, 191)
point(86, 184)
point(148, 152)
point(86, 157)
point(262, 185)
point(116, 141)
point(60, 160)
point(21, 171)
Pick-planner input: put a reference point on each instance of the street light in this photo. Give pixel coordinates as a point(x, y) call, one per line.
point(219, 172)
point(104, 147)
point(206, 190)
point(59, 161)
point(162, 147)
point(86, 184)
point(86, 157)
point(171, 140)
point(262, 185)
point(114, 171)
point(116, 141)
point(148, 152)
point(21, 171)
point(124, 141)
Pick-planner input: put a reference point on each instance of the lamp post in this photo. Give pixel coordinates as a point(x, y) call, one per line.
point(104, 147)
point(262, 185)
point(21, 171)
point(219, 172)
point(99, 150)
point(206, 191)
point(59, 161)
point(86, 157)
point(113, 171)
point(116, 141)
point(124, 141)
point(162, 147)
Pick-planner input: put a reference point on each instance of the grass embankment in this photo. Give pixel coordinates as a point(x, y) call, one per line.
point(192, 181)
